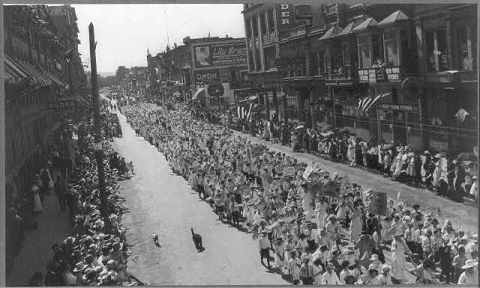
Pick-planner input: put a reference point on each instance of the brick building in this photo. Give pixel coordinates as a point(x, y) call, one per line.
point(386, 71)
point(43, 78)
point(198, 63)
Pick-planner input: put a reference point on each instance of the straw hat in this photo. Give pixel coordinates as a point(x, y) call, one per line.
point(469, 264)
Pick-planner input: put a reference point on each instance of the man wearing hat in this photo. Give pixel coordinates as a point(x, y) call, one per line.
point(470, 275)
point(385, 278)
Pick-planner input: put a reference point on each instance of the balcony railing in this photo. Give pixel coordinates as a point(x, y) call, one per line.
point(344, 73)
point(268, 38)
point(380, 74)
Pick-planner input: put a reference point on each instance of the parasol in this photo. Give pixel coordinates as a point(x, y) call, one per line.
point(466, 156)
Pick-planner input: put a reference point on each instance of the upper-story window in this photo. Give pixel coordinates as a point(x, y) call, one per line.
point(436, 44)
point(271, 21)
point(392, 55)
point(370, 50)
point(263, 24)
point(247, 28)
point(347, 53)
point(466, 50)
point(255, 26)
point(364, 52)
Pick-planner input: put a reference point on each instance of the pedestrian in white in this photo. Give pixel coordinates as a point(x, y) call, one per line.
point(330, 277)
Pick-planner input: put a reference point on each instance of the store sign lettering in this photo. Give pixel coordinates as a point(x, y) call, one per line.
point(285, 14)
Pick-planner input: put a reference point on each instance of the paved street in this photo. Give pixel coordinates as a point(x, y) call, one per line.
point(162, 202)
point(462, 215)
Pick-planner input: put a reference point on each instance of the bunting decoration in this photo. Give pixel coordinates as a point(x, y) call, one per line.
point(367, 103)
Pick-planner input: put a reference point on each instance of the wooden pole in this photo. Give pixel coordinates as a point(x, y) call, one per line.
point(96, 109)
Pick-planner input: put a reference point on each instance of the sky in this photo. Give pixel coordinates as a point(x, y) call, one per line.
point(124, 32)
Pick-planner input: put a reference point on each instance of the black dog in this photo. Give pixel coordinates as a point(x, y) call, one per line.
point(197, 241)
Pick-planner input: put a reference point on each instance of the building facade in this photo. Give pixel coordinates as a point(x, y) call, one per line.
point(395, 73)
point(189, 69)
point(43, 79)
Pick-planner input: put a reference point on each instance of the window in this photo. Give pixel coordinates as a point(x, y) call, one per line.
point(436, 43)
point(271, 22)
point(377, 49)
point(255, 27)
point(263, 24)
point(364, 48)
point(465, 50)
point(346, 54)
point(391, 49)
point(321, 63)
point(247, 28)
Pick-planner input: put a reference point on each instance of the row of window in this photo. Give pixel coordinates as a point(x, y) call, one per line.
point(393, 47)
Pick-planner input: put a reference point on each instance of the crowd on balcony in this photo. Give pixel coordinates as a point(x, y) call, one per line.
point(324, 235)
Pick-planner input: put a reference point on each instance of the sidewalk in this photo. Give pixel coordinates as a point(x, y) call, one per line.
point(53, 226)
point(463, 216)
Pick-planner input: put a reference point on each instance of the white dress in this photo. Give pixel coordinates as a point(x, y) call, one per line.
point(399, 264)
point(37, 203)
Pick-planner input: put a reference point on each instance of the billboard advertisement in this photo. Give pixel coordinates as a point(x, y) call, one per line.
point(222, 54)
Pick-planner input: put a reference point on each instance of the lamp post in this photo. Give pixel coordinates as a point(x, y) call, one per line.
point(96, 109)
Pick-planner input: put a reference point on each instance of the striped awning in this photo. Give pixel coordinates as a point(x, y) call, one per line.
point(55, 79)
point(366, 104)
point(14, 74)
point(36, 76)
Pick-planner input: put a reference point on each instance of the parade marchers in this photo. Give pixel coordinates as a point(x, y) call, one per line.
point(452, 176)
point(321, 236)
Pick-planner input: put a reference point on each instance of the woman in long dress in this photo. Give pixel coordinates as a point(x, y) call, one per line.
point(356, 225)
point(398, 261)
point(37, 202)
point(351, 151)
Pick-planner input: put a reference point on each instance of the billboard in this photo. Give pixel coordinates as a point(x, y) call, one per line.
point(221, 54)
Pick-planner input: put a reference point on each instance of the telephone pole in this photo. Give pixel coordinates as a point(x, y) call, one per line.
point(96, 118)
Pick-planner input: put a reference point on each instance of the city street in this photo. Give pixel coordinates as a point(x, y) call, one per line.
point(163, 203)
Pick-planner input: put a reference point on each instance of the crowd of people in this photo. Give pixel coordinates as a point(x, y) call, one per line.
point(452, 176)
point(96, 252)
point(312, 227)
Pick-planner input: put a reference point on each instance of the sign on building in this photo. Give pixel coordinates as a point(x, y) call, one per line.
point(286, 15)
point(221, 54)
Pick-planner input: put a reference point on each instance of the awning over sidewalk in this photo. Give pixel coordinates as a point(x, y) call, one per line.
point(37, 76)
point(14, 73)
point(55, 80)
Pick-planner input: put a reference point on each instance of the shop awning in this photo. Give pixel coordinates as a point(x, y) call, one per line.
point(367, 24)
point(14, 73)
point(36, 75)
point(55, 79)
point(197, 93)
point(332, 32)
point(395, 17)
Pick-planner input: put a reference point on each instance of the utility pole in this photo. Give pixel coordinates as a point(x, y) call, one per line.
point(96, 109)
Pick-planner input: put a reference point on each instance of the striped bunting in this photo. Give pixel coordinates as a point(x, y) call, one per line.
point(243, 113)
point(367, 103)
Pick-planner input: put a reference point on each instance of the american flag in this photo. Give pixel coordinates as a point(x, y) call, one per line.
point(367, 103)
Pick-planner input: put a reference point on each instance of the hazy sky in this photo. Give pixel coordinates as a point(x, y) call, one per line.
point(124, 32)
